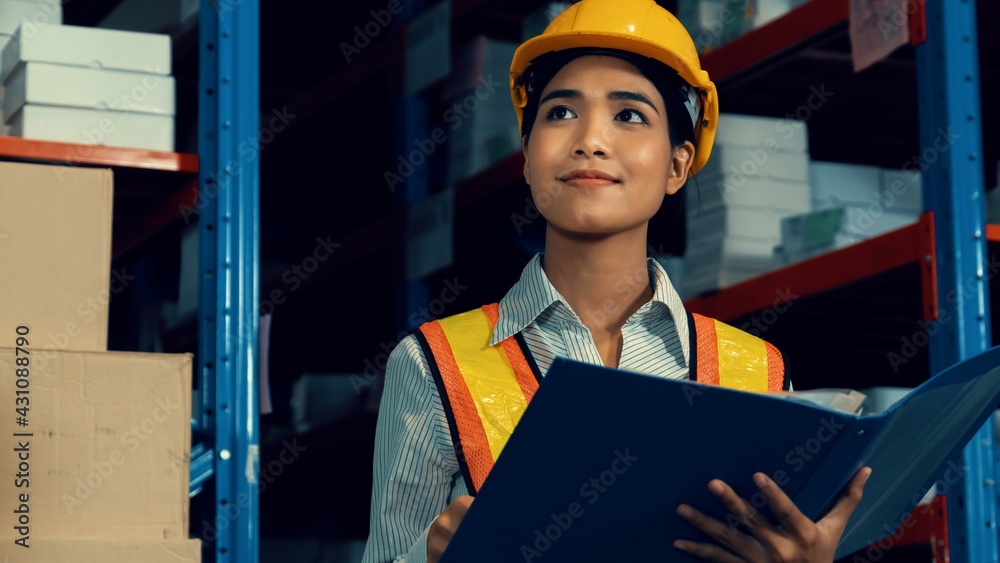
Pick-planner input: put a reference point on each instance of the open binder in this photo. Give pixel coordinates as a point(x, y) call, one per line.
point(601, 459)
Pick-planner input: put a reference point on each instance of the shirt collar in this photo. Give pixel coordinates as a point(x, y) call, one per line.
point(534, 293)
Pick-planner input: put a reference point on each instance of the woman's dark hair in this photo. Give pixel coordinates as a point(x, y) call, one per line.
point(668, 83)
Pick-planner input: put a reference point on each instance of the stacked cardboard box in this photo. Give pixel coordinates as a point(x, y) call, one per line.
point(869, 200)
point(122, 94)
point(34, 14)
point(758, 173)
point(98, 441)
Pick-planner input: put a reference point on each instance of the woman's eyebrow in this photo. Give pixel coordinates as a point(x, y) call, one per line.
point(560, 94)
point(620, 95)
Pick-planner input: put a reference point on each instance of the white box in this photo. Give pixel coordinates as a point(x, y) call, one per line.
point(837, 183)
point(730, 251)
point(906, 187)
point(751, 131)
point(93, 127)
point(760, 161)
point(89, 47)
point(753, 222)
point(860, 223)
point(91, 88)
point(38, 13)
point(719, 190)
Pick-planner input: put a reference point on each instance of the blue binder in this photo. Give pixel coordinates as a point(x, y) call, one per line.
point(601, 459)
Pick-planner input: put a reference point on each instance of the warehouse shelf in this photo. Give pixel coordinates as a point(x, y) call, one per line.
point(70, 154)
point(993, 233)
point(911, 244)
point(151, 187)
point(804, 25)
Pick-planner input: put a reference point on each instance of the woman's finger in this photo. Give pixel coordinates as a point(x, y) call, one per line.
point(743, 512)
point(837, 518)
point(725, 534)
point(789, 517)
point(707, 551)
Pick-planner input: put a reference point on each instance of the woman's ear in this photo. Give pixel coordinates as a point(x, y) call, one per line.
point(681, 159)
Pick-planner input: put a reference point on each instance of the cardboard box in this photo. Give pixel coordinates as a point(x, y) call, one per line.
point(89, 47)
point(104, 551)
point(55, 247)
point(752, 222)
point(108, 445)
point(763, 161)
point(719, 190)
point(92, 88)
point(738, 130)
point(36, 12)
point(93, 127)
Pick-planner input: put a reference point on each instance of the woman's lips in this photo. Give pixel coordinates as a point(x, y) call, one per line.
point(588, 178)
point(589, 182)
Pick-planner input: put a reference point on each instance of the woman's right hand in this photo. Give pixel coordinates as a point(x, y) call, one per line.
point(444, 526)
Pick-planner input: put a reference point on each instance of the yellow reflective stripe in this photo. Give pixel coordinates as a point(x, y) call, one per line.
point(742, 359)
point(488, 375)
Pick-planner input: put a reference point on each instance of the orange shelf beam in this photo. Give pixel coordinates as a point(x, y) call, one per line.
point(993, 233)
point(69, 154)
point(802, 24)
point(874, 256)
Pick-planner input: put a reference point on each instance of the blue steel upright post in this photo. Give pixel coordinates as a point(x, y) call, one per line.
point(951, 160)
point(229, 183)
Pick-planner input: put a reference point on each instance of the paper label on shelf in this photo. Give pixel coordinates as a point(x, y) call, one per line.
point(428, 47)
point(877, 28)
point(428, 235)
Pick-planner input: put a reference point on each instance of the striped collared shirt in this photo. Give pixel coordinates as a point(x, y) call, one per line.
point(416, 471)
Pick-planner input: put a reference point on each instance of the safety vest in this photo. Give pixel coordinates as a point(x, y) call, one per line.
point(485, 389)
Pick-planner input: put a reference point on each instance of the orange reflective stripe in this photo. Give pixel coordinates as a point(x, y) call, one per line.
point(733, 358)
point(474, 446)
point(708, 350)
point(775, 368)
point(522, 371)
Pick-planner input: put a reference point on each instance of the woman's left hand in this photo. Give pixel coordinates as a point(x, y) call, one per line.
point(795, 539)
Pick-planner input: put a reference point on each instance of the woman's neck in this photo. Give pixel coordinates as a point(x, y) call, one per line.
point(604, 280)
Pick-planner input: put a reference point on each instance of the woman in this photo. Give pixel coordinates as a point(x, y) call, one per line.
point(615, 115)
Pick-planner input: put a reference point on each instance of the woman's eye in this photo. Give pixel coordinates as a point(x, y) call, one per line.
point(631, 116)
point(560, 112)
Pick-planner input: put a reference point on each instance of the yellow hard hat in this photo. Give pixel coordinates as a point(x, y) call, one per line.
point(636, 26)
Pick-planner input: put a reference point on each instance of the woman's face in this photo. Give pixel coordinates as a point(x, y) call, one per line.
point(599, 159)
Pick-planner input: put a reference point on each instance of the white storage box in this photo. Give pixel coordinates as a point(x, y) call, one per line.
point(752, 222)
point(758, 162)
point(90, 88)
point(37, 13)
point(93, 127)
point(89, 47)
point(906, 186)
point(835, 183)
point(718, 190)
point(729, 252)
point(751, 131)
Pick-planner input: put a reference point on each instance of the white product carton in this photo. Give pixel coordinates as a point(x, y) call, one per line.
point(38, 13)
point(92, 88)
point(93, 127)
point(88, 47)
